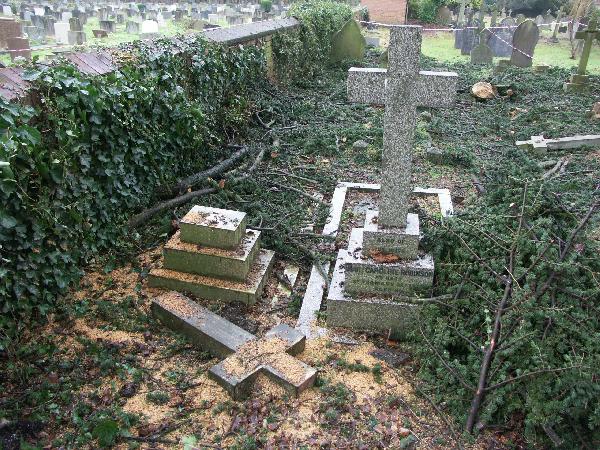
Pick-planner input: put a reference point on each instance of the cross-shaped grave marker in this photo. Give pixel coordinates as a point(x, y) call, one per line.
point(580, 81)
point(245, 355)
point(401, 89)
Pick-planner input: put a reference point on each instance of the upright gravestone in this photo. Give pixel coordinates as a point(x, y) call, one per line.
point(76, 33)
point(559, 16)
point(132, 27)
point(548, 19)
point(19, 47)
point(34, 33)
point(524, 41)
point(580, 81)
point(7, 10)
point(149, 29)
point(500, 41)
point(9, 28)
point(482, 53)
point(110, 26)
point(539, 20)
point(61, 31)
point(391, 230)
point(348, 43)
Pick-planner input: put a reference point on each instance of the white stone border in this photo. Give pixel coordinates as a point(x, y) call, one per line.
point(315, 288)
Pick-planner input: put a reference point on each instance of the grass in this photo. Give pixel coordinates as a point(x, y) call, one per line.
point(441, 47)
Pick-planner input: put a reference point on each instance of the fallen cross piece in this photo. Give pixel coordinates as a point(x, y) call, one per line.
point(541, 145)
point(245, 355)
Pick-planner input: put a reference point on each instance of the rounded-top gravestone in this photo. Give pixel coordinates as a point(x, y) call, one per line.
point(524, 41)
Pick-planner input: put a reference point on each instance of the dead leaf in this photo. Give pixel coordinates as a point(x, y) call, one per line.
point(380, 257)
point(221, 184)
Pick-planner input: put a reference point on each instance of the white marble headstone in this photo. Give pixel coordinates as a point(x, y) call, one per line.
point(61, 31)
point(149, 26)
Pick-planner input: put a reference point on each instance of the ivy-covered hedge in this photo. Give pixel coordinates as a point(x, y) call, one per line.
point(95, 149)
point(302, 53)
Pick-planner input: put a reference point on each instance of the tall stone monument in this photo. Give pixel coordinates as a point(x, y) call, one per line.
point(391, 231)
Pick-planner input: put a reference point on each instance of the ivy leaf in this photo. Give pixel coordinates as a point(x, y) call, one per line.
point(8, 221)
point(106, 432)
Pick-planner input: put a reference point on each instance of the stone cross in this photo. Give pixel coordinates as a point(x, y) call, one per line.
point(246, 357)
point(401, 89)
point(588, 37)
point(540, 144)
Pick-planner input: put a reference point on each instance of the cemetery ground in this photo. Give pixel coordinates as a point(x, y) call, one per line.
point(104, 372)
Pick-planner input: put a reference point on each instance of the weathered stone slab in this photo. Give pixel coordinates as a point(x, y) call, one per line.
point(245, 356)
point(247, 291)
point(402, 242)
point(367, 276)
point(213, 227)
point(233, 264)
point(365, 313)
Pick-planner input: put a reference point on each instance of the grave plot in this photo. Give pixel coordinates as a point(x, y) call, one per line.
point(375, 278)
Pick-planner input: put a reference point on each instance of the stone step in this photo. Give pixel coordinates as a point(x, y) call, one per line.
point(367, 276)
point(366, 312)
point(231, 264)
point(247, 291)
point(214, 227)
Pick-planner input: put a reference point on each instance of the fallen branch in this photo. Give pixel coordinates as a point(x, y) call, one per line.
point(298, 191)
point(220, 168)
point(142, 217)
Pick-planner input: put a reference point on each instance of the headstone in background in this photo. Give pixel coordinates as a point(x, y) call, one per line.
point(49, 25)
point(444, 16)
point(149, 29)
point(76, 33)
point(19, 46)
point(109, 26)
point(61, 31)
point(458, 36)
point(508, 22)
point(468, 41)
point(7, 10)
point(500, 41)
point(580, 81)
point(38, 11)
point(9, 28)
point(132, 27)
point(482, 54)
point(66, 16)
point(524, 41)
point(559, 16)
point(34, 33)
point(348, 43)
point(548, 19)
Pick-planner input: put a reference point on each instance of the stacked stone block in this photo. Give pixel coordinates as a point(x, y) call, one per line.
point(214, 256)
